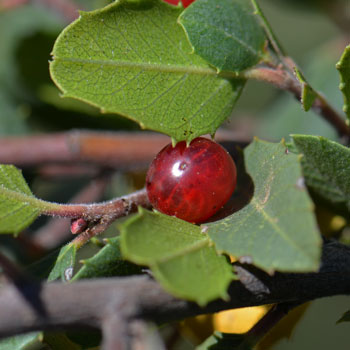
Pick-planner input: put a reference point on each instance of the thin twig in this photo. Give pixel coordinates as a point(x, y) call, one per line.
point(95, 230)
point(116, 208)
point(284, 81)
point(57, 230)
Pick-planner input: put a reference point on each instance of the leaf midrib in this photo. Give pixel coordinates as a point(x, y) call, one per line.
point(234, 38)
point(259, 208)
point(182, 252)
point(152, 67)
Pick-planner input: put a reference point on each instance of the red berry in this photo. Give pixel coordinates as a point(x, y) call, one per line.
point(192, 182)
point(186, 3)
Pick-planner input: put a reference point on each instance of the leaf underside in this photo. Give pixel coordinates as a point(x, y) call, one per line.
point(181, 258)
point(63, 268)
point(226, 33)
point(107, 262)
point(326, 167)
point(133, 58)
point(277, 229)
point(16, 211)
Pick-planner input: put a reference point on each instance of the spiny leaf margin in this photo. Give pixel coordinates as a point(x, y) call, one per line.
point(107, 262)
point(326, 167)
point(147, 75)
point(181, 258)
point(277, 230)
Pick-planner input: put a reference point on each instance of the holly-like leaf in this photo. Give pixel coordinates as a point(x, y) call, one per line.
point(107, 262)
point(226, 33)
point(133, 58)
point(344, 69)
point(64, 264)
point(308, 94)
point(326, 167)
point(30, 341)
point(181, 258)
point(18, 206)
point(277, 229)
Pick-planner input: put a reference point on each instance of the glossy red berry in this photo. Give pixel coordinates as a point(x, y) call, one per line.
point(186, 3)
point(191, 183)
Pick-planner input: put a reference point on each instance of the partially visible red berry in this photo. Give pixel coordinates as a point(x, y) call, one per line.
point(191, 183)
point(186, 3)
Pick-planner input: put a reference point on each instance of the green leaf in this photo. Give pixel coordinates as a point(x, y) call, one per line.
point(132, 58)
point(225, 341)
point(64, 264)
point(226, 33)
point(277, 229)
point(345, 317)
point(326, 167)
point(29, 341)
point(308, 94)
point(181, 258)
point(107, 262)
point(39, 341)
point(344, 69)
point(17, 209)
point(59, 341)
point(285, 117)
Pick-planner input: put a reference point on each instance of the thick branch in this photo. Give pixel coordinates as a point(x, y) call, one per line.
point(122, 150)
point(89, 303)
